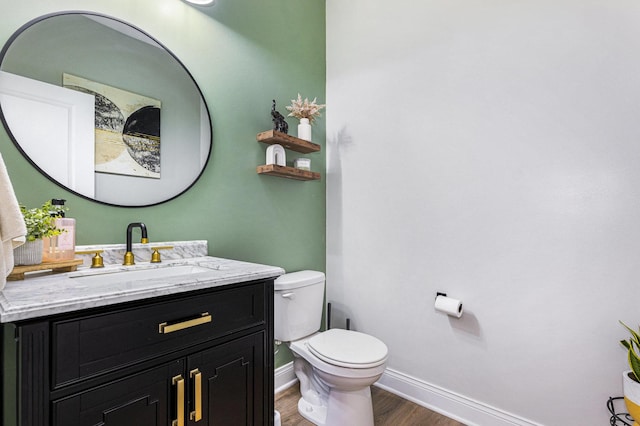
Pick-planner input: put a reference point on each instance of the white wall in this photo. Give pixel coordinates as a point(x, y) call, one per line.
point(489, 149)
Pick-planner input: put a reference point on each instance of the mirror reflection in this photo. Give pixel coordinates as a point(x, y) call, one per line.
point(103, 109)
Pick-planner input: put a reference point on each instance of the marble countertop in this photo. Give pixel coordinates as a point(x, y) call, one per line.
point(44, 294)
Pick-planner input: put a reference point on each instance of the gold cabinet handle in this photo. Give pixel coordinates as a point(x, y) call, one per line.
point(178, 382)
point(196, 376)
point(165, 328)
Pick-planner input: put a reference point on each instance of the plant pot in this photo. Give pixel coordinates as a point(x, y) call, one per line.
point(631, 390)
point(30, 253)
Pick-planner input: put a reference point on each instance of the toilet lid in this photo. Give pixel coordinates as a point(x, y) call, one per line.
point(348, 348)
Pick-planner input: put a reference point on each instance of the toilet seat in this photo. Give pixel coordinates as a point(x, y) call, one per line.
point(346, 348)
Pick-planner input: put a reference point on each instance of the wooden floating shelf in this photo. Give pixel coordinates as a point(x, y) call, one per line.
point(287, 172)
point(271, 137)
point(62, 266)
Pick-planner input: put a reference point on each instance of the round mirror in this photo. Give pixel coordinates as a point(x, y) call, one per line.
point(103, 109)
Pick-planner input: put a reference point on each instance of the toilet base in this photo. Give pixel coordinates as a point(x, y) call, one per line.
point(316, 414)
point(353, 408)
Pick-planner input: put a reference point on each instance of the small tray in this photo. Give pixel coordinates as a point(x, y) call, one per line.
point(62, 266)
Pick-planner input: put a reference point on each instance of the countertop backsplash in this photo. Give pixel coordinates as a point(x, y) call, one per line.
point(113, 254)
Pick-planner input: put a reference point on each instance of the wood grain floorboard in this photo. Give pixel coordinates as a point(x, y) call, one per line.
point(388, 410)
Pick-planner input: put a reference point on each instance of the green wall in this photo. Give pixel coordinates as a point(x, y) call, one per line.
point(243, 54)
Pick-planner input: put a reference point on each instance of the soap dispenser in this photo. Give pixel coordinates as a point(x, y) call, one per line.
point(60, 247)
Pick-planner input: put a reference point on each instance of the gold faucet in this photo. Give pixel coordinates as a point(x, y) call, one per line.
point(128, 256)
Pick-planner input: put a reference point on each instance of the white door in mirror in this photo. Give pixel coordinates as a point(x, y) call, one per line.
point(62, 141)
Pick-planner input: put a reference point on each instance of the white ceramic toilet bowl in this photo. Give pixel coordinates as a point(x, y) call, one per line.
point(336, 369)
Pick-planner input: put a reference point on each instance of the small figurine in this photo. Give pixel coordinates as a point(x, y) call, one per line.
point(279, 123)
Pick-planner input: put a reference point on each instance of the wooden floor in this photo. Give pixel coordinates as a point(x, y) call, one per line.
point(388, 409)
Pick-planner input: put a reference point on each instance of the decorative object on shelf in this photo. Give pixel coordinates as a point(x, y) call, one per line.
point(302, 163)
point(631, 378)
point(40, 223)
point(306, 112)
point(304, 129)
point(279, 123)
point(276, 155)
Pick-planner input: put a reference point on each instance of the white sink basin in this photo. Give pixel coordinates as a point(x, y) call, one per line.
point(119, 275)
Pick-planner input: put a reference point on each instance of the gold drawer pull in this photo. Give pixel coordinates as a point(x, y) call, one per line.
point(165, 328)
point(196, 414)
point(178, 382)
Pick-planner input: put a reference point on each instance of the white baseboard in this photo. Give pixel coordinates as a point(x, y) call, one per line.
point(284, 377)
point(445, 402)
point(450, 404)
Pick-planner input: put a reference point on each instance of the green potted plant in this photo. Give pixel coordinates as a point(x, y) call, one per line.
point(40, 223)
point(631, 378)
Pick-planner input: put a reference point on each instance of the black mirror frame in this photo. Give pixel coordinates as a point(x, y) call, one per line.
point(34, 21)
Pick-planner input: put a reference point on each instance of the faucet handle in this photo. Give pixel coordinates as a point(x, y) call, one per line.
point(155, 256)
point(96, 261)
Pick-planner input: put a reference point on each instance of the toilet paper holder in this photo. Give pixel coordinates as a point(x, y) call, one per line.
point(446, 305)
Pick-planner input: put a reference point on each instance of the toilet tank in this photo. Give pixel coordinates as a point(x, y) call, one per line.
point(298, 304)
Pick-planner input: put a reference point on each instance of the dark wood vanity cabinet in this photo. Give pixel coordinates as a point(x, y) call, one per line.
point(199, 358)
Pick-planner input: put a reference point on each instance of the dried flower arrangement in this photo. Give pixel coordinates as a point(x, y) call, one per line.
point(304, 109)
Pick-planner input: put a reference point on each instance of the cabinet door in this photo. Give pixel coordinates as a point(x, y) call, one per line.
point(230, 388)
point(149, 398)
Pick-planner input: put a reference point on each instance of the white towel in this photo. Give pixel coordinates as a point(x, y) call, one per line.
point(13, 230)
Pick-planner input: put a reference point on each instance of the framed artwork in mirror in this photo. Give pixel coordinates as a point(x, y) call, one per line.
point(127, 129)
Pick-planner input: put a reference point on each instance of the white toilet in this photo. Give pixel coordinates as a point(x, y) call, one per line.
point(335, 367)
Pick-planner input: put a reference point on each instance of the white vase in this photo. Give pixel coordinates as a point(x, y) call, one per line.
point(304, 129)
point(30, 253)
